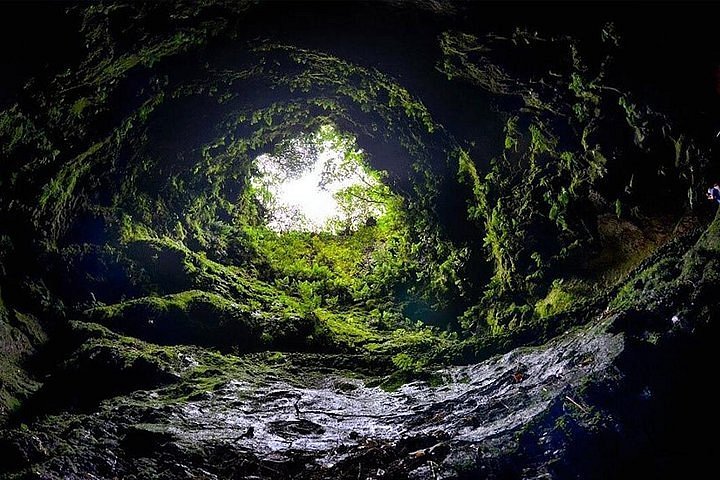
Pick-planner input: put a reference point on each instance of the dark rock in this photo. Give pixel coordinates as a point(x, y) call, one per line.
point(145, 440)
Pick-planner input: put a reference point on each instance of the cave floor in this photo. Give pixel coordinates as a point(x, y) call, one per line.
point(301, 416)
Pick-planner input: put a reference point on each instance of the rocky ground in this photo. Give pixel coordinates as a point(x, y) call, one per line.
point(535, 412)
point(293, 422)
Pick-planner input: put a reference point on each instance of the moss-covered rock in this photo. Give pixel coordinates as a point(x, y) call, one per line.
point(192, 317)
point(20, 337)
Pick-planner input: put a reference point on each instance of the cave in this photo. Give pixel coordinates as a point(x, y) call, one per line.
point(358, 240)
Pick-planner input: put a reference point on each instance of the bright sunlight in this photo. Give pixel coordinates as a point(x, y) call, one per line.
point(318, 182)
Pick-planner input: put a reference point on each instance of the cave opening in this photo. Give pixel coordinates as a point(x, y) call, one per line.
point(330, 232)
point(245, 240)
point(319, 182)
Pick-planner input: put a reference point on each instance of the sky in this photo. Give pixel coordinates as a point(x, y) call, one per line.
point(303, 194)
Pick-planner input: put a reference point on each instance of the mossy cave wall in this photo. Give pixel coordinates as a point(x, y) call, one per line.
point(128, 236)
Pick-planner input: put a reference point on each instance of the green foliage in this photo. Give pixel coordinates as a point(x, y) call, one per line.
point(80, 105)
point(468, 174)
point(168, 199)
point(331, 158)
point(634, 119)
point(647, 279)
point(511, 133)
point(352, 328)
point(403, 361)
point(60, 191)
point(321, 70)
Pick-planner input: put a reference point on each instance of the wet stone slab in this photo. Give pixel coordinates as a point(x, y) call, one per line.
point(315, 426)
point(478, 402)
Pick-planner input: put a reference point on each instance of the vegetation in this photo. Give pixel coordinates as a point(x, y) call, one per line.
point(142, 191)
point(541, 201)
point(476, 299)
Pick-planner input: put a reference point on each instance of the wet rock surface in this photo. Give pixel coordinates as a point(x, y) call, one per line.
point(331, 426)
point(476, 403)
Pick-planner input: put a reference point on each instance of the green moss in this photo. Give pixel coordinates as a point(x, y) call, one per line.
point(128, 350)
point(511, 133)
point(20, 335)
point(61, 189)
point(659, 275)
point(707, 246)
point(541, 140)
point(559, 299)
point(194, 317)
point(111, 69)
point(17, 130)
point(80, 105)
point(349, 328)
point(468, 174)
point(167, 251)
point(187, 236)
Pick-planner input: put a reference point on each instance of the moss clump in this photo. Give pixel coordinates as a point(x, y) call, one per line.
point(559, 299)
point(99, 365)
point(191, 317)
point(679, 281)
point(660, 275)
point(349, 328)
point(20, 336)
point(706, 249)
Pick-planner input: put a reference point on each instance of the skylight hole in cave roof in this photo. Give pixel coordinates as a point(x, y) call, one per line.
point(318, 182)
